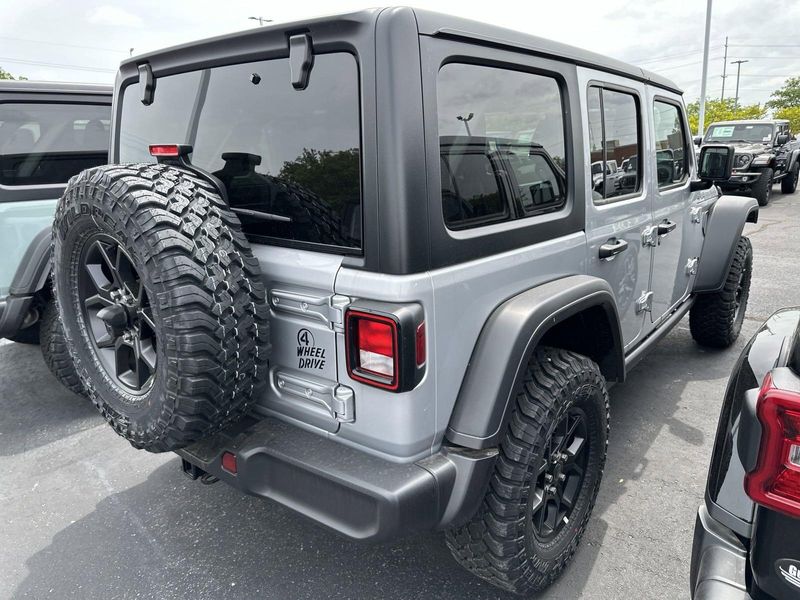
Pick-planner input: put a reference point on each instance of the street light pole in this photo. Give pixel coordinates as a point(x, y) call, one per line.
point(738, 64)
point(724, 69)
point(702, 116)
point(261, 20)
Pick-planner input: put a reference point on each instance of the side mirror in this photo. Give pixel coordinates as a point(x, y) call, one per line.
point(781, 139)
point(714, 165)
point(698, 139)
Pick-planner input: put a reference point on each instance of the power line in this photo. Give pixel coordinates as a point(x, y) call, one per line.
point(16, 39)
point(669, 56)
point(56, 65)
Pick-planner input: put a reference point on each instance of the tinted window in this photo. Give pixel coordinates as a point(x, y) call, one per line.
point(289, 159)
point(44, 144)
point(671, 154)
point(613, 140)
point(502, 147)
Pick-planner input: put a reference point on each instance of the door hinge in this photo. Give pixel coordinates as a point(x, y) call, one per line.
point(645, 302)
point(338, 306)
point(344, 404)
point(650, 236)
point(697, 214)
point(691, 266)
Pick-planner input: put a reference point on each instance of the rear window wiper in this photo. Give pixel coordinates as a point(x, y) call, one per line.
point(264, 216)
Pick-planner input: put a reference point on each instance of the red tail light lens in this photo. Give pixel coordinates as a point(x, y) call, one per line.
point(420, 344)
point(229, 462)
point(775, 483)
point(373, 356)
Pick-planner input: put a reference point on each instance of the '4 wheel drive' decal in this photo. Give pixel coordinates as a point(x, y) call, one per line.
point(309, 355)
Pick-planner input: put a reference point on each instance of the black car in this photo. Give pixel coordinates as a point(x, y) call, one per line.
point(747, 535)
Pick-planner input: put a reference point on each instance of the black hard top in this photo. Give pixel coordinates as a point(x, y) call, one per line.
point(55, 87)
point(432, 24)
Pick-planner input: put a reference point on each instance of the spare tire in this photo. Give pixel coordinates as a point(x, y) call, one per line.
point(162, 302)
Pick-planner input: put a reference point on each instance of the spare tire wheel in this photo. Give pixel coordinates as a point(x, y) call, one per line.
point(162, 302)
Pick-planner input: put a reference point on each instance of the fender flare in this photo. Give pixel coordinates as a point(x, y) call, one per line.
point(722, 231)
point(497, 367)
point(34, 268)
point(792, 159)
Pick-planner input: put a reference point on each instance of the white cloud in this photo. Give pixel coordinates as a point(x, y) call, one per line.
point(114, 16)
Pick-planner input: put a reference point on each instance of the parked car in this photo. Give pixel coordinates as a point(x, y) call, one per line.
point(767, 152)
point(48, 133)
point(747, 536)
point(308, 276)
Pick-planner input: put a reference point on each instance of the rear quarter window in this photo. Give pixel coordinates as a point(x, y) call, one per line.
point(289, 159)
point(502, 144)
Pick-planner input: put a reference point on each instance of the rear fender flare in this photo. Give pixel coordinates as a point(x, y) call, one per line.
point(34, 268)
point(497, 366)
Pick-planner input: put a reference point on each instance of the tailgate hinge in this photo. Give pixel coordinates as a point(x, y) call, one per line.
point(338, 305)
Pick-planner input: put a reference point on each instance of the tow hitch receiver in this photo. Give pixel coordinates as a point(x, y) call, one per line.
point(193, 472)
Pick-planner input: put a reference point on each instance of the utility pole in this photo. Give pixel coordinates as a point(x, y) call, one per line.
point(701, 120)
point(724, 69)
point(261, 20)
point(738, 64)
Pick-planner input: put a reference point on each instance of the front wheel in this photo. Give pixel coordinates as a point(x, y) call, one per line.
point(546, 477)
point(762, 188)
point(716, 319)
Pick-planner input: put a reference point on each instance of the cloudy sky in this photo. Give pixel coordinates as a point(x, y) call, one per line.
point(84, 40)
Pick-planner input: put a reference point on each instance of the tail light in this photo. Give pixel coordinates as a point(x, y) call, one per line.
point(385, 344)
point(775, 482)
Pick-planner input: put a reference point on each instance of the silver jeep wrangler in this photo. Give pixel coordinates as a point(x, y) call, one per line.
point(359, 265)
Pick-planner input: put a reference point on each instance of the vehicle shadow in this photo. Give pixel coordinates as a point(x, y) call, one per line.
point(168, 537)
point(36, 408)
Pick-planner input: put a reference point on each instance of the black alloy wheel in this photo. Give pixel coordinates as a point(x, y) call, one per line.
point(561, 476)
point(118, 314)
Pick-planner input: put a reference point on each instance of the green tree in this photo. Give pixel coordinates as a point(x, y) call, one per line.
point(332, 175)
point(722, 110)
point(792, 113)
point(6, 75)
point(786, 97)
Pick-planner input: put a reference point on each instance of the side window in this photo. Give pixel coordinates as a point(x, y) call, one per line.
point(672, 166)
point(501, 144)
point(614, 144)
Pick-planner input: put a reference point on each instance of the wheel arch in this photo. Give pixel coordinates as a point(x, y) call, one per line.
point(723, 228)
point(551, 313)
point(34, 268)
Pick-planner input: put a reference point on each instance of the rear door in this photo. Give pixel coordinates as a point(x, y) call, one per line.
point(618, 212)
point(671, 162)
point(290, 162)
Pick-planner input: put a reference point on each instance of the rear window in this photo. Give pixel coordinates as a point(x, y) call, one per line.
point(42, 144)
point(289, 159)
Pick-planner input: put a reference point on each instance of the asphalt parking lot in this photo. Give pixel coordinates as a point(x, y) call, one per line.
point(83, 515)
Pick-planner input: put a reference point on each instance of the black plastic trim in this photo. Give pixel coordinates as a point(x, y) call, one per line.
point(359, 495)
point(722, 231)
point(719, 562)
point(507, 341)
point(12, 314)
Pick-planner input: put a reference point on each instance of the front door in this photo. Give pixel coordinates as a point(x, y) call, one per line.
point(672, 270)
point(619, 213)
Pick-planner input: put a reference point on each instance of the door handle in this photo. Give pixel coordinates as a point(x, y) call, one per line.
point(666, 226)
point(612, 247)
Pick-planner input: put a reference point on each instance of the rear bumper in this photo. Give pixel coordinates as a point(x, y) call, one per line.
point(719, 561)
point(354, 493)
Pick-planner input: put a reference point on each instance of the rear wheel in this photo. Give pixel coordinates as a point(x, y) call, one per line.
point(55, 352)
point(762, 188)
point(546, 478)
point(716, 319)
point(789, 182)
point(162, 302)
